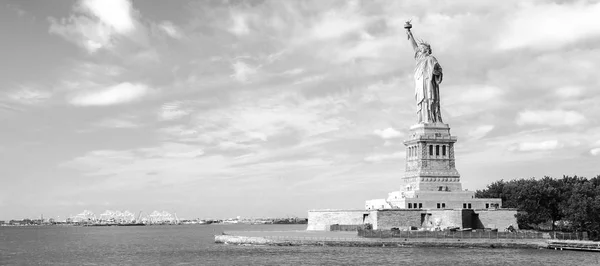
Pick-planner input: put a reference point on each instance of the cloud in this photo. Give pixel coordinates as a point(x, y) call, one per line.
point(293, 72)
point(114, 13)
point(239, 24)
point(170, 29)
point(480, 132)
point(9, 107)
point(84, 32)
point(480, 94)
point(172, 150)
point(335, 24)
point(595, 151)
point(29, 95)
point(550, 118)
point(95, 24)
point(269, 123)
point(118, 94)
point(388, 133)
point(20, 12)
point(550, 25)
point(243, 72)
point(101, 159)
point(174, 110)
point(118, 122)
point(569, 92)
point(472, 99)
point(166, 163)
point(309, 79)
point(536, 146)
point(383, 157)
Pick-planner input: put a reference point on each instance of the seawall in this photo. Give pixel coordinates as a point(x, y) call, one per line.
point(377, 242)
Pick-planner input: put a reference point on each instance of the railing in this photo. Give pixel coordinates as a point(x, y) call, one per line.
point(321, 238)
point(470, 235)
point(569, 236)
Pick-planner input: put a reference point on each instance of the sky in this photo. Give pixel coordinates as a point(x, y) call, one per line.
point(216, 109)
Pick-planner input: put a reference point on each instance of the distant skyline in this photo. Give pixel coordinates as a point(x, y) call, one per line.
point(219, 109)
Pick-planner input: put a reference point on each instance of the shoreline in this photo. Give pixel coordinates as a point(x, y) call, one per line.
point(295, 238)
point(372, 242)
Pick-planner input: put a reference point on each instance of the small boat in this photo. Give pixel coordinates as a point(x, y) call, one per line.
point(132, 224)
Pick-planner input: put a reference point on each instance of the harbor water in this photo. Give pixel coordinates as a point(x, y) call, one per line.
point(194, 245)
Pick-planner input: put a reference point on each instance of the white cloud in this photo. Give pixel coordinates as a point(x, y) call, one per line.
point(334, 24)
point(119, 122)
point(374, 48)
point(28, 95)
point(239, 25)
point(173, 111)
point(480, 132)
point(230, 145)
point(101, 159)
point(118, 94)
point(172, 163)
point(384, 157)
point(293, 72)
point(551, 118)
point(84, 32)
point(469, 99)
point(114, 13)
point(178, 131)
point(4, 106)
point(309, 79)
point(95, 23)
point(480, 94)
point(550, 25)
point(569, 92)
point(255, 122)
point(388, 133)
point(170, 29)
point(173, 150)
point(595, 151)
point(243, 72)
point(536, 146)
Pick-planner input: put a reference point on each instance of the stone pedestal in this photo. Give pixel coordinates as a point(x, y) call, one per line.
point(430, 162)
point(431, 180)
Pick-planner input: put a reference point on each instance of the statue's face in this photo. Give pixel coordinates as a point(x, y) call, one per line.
point(424, 49)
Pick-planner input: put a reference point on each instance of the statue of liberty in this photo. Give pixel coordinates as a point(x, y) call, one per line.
point(428, 76)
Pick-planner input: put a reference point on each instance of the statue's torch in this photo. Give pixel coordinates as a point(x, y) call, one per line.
point(408, 26)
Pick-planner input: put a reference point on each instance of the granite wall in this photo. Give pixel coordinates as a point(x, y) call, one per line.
point(446, 218)
point(396, 218)
point(320, 220)
point(500, 218)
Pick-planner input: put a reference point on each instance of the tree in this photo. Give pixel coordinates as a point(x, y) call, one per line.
point(574, 200)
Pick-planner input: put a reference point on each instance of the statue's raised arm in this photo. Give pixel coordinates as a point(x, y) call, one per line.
point(407, 26)
point(428, 76)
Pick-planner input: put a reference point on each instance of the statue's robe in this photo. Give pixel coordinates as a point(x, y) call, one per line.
point(428, 76)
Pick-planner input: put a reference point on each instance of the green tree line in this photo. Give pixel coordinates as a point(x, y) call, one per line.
point(569, 203)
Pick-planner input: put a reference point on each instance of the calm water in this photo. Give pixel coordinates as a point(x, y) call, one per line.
point(193, 245)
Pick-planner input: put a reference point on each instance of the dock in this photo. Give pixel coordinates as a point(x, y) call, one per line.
point(575, 245)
